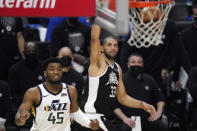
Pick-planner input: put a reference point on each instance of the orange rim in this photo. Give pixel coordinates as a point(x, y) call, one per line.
point(141, 4)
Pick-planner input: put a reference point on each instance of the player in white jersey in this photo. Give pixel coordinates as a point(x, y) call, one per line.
point(53, 103)
point(105, 82)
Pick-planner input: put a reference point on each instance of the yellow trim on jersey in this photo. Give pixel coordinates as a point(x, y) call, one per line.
point(33, 111)
point(46, 108)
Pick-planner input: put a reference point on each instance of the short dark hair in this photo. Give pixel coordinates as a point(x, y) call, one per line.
point(135, 54)
point(51, 60)
point(106, 38)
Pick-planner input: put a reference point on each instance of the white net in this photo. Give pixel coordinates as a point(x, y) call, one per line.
point(147, 24)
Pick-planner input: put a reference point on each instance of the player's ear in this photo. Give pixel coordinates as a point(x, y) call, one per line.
point(102, 48)
point(45, 74)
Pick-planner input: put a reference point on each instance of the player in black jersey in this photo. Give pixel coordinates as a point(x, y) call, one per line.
point(105, 82)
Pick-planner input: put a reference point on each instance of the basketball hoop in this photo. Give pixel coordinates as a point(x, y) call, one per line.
point(147, 21)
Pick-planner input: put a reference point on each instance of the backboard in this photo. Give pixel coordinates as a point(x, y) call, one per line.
point(112, 15)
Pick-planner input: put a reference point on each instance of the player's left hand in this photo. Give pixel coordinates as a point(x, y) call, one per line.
point(150, 109)
point(94, 124)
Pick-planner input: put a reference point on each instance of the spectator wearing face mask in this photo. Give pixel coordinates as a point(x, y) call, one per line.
point(76, 36)
point(189, 36)
point(70, 75)
point(143, 87)
point(25, 74)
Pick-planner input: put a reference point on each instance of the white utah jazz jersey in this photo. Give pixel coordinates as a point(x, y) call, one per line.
point(53, 111)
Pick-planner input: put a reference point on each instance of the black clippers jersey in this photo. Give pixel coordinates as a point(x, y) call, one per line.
point(101, 91)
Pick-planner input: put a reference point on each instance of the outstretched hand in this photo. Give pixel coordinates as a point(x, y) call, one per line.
point(150, 109)
point(94, 124)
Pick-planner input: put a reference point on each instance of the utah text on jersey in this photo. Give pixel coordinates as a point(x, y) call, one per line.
point(56, 106)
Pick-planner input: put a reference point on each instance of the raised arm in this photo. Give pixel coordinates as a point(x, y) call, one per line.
point(77, 114)
point(95, 47)
point(128, 101)
point(23, 112)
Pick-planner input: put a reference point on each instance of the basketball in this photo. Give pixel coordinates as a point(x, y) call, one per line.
point(148, 14)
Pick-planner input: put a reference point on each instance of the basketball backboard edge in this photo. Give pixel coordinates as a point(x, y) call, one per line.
point(115, 22)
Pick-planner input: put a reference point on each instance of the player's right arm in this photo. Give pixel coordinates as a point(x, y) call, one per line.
point(95, 47)
point(23, 112)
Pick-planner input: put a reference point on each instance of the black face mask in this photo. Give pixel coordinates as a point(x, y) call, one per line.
point(31, 59)
point(66, 61)
point(135, 70)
